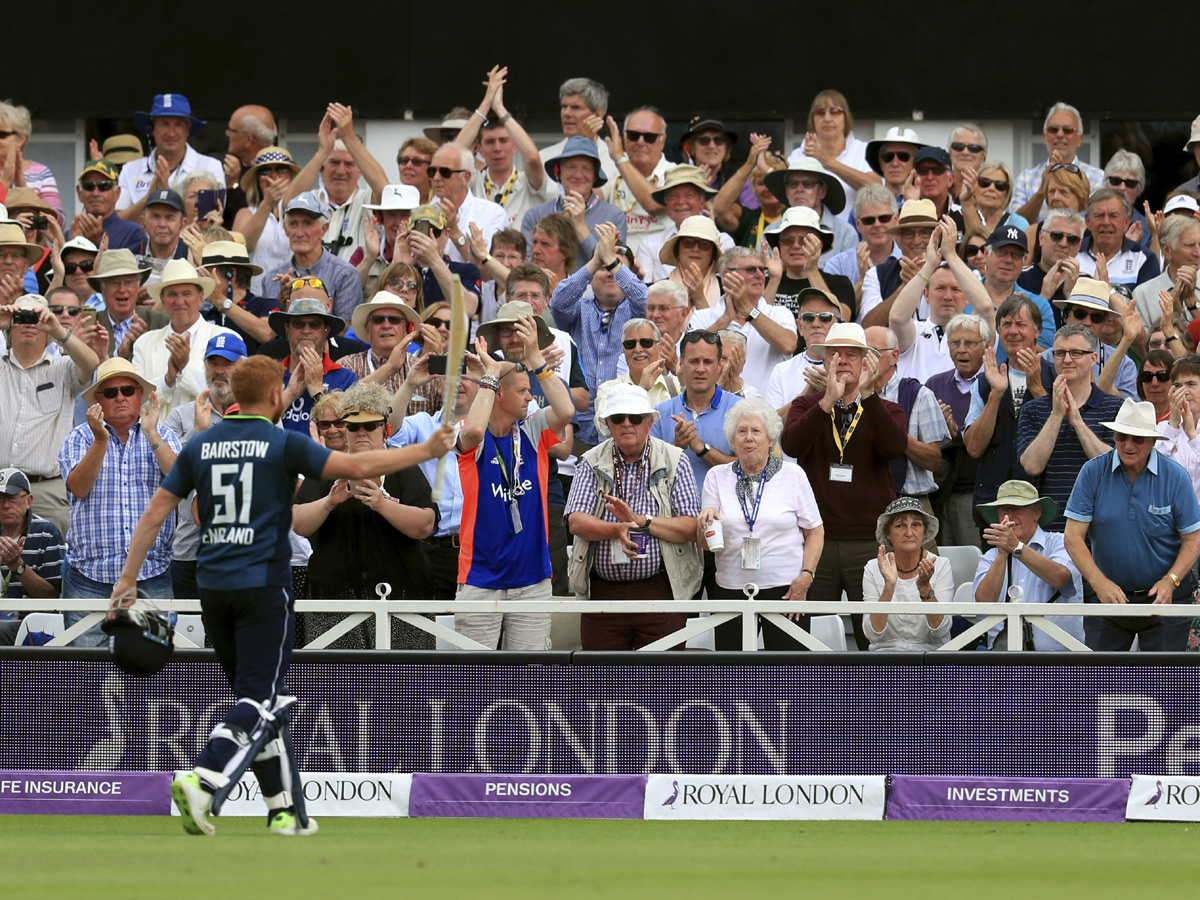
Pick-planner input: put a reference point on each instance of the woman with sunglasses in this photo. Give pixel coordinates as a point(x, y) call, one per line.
point(1154, 382)
point(1066, 187)
point(367, 531)
point(266, 183)
point(1126, 173)
point(968, 152)
point(642, 345)
point(772, 530)
point(972, 249)
point(17, 172)
point(694, 251)
point(988, 203)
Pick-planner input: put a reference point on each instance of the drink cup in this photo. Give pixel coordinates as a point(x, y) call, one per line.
point(714, 536)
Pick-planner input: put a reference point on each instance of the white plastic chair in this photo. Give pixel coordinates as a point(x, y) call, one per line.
point(965, 592)
point(829, 630)
point(964, 561)
point(705, 641)
point(47, 623)
point(440, 643)
point(190, 626)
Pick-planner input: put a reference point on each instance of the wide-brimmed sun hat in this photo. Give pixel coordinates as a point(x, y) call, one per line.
point(1018, 493)
point(898, 507)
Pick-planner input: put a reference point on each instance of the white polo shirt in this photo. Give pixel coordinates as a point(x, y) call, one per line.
point(928, 354)
point(137, 174)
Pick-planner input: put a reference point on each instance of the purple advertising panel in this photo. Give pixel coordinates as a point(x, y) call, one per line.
point(377, 714)
point(528, 796)
point(33, 792)
point(932, 797)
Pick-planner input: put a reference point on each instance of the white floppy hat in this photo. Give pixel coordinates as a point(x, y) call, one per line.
point(629, 400)
point(381, 300)
point(799, 217)
point(701, 227)
point(1137, 419)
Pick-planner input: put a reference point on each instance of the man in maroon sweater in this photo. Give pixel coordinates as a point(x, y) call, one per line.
point(845, 440)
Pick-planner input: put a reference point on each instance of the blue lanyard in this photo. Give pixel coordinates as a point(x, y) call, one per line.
point(751, 517)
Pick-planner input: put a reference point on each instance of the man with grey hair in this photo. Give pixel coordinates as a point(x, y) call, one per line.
point(450, 174)
point(305, 222)
point(1059, 432)
point(1063, 134)
point(1126, 173)
point(733, 362)
point(582, 106)
point(769, 330)
point(874, 210)
point(637, 155)
point(1053, 275)
point(1179, 239)
point(251, 130)
point(1124, 261)
point(967, 146)
point(668, 308)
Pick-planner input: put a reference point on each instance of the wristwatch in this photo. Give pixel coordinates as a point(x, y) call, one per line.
point(647, 523)
point(225, 304)
point(460, 241)
point(612, 266)
point(753, 314)
point(1020, 548)
point(704, 451)
point(20, 569)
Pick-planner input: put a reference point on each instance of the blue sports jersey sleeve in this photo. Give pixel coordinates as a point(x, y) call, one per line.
point(304, 456)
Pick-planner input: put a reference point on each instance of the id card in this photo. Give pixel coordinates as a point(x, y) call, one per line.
point(514, 513)
point(843, 472)
point(752, 553)
point(616, 551)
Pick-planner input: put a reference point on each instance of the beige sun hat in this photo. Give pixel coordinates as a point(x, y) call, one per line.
point(508, 314)
point(114, 263)
point(1136, 418)
point(1018, 493)
point(180, 271)
point(117, 367)
point(1090, 293)
point(915, 214)
point(695, 227)
point(381, 300)
point(13, 235)
point(692, 175)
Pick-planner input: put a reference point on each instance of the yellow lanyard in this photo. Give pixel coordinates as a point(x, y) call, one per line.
point(837, 437)
point(488, 187)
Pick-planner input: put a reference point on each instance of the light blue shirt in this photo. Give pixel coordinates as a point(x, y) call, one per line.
point(419, 427)
point(710, 427)
point(846, 262)
point(1135, 528)
point(1051, 545)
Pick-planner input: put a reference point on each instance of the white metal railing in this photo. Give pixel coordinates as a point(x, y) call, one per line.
point(718, 611)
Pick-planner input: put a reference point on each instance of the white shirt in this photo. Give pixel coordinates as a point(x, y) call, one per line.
point(488, 216)
point(786, 381)
point(927, 355)
point(640, 223)
point(761, 357)
point(654, 269)
point(855, 156)
point(1184, 450)
point(137, 174)
point(909, 631)
point(518, 199)
point(151, 357)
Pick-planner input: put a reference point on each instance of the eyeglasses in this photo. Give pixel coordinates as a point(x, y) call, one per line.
point(384, 318)
point(1001, 186)
point(89, 186)
point(1070, 167)
point(694, 337)
point(308, 282)
point(809, 184)
point(1162, 377)
point(1082, 314)
point(332, 423)
point(444, 171)
point(1136, 439)
point(926, 171)
point(1130, 183)
point(630, 343)
point(71, 311)
point(693, 243)
point(750, 270)
point(1061, 129)
point(819, 111)
point(709, 140)
point(399, 285)
point(85, 266)
point(412, 161)
point(1074, 354)
point(646, 137)
point(1156, 344)
point(964, 343)
point(1073, 240)
point(125, 390)
point(959, 147)
point(888, 155)
point(882, 220)
point(825, 318)
point(620, 418)
point(973, 249)
point(355, 427)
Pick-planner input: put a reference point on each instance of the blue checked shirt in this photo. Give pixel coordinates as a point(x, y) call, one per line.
point(596, 332)
point(102, 523)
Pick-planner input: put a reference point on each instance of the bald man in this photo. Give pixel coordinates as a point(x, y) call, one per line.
point(250, 130)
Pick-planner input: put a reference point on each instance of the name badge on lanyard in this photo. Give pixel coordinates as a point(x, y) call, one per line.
point(841, 470)
point(751, 546)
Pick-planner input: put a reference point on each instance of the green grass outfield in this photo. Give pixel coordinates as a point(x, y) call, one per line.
point(96, 858)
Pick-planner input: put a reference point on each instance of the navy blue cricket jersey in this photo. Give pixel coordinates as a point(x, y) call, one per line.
point(244, 472)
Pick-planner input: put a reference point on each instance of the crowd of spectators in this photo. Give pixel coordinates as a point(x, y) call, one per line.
point(861, 349)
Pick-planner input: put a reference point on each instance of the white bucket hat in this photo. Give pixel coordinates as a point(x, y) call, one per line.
point(630, 400)
point(1137, 419)
point(800, 217)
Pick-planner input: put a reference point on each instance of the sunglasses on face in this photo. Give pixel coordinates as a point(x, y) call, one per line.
point(1074, 354)
point(888, 155)
point(1156, 344)
point(750, 270)
point(882, 220)
point(332, 423)
point(72, 267)
point(1070, 167)
point(1130, 183)
point(125, 390)
point(709, 140)
point(692, 243)
point(820, 111)
point(399, 285)
point(1061, 129)
point(382, 318)
point(1162, 377)
point(646, 343)
point(825, 318)
point(620, 418)
point(1001, 186)
point(5, 135)
point(308, 282)
point(648, 137)
point(927, 171)
point(89, 186)
point(1073, 240)
point(974, 249)
point(412, 161)
point(959, 147)
point(1136, 439)
point(444, 171)
point(440, 323)
point(694, 337)
point(1078, 312)
point(71, 311)
point(355, 427)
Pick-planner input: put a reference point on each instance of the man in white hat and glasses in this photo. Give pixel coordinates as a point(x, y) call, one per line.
point(172, 358)
point(633, 509)
point(113, 464)
point(37, 398)
point(845, 439)
point(1139, 512)
point(380, 237)
point(1026, 563)
point(1089, 305)
point(801, 238)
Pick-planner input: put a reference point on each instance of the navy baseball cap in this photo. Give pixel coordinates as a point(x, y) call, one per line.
point(307, 203)
point(227, 346)
point(1008, 236)
point(165, 198)
point(13, 481)
point(937, 154)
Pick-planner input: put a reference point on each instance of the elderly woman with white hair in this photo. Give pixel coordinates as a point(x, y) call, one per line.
point(1126, 173)
point(772, 530)
point(904, 570)
point(15, 171)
